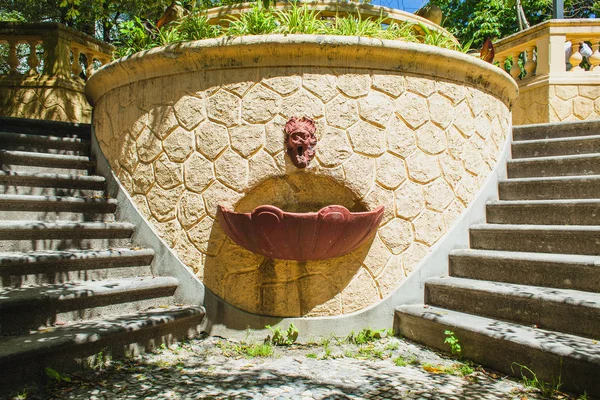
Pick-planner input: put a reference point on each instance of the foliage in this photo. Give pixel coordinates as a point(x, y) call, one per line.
point(366, 335)
point(453, 342)
point(278, 338)
point(355, 26)
point(529, 377)
point(299, 19)
point(246, 350)
point(258, 21)
point(56, 376)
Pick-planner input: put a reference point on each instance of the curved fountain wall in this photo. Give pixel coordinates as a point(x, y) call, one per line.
point(412, 127)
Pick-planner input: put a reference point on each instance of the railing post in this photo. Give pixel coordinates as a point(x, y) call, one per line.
point(57, 54)
point(551, 54)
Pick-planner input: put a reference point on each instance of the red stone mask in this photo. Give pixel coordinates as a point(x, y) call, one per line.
point(300, 140)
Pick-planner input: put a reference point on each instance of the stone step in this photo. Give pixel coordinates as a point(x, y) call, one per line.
point(63, 347)
point(30, 307)
point(45, 160)
point(576, 239)
point(54, 182)
point(566, 271)
point(556, 130)
point(561, 187)
point(581, 164)
point(556, 147)
point(45, 127)
point(26, 268)
point(52, 208)
point(544, 212)
point(39, 230)
point(504, 346)
point(43, 143)
point(563, 310)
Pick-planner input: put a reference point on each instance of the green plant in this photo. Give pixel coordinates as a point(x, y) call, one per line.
point(196, 27)
point(56, 376)
point(355, 26)
point(278, 338)
point(453, 342)
point(21, 395)
point(392, 346)
point(258, 350)
point(584, 396)
point(365, 336)
point(400, 361)
point(298, 19)
point(311, 355)
point(259, 20)
point(548, 389)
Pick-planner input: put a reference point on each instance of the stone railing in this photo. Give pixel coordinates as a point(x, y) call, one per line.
point(555, 85)
point(61, 46)
point(44, 68)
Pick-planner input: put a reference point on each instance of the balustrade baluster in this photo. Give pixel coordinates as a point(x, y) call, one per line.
point(515, 70)
point(595, 57)
point(13, 60)
point(530, 65)
point(32, 59)
point(76, 67)
point(576, 59)
point(89, 71)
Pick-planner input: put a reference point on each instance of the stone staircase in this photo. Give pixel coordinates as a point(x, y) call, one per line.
point(72, 282)
point(527, 292)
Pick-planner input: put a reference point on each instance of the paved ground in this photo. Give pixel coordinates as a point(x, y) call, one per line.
point(214, 368)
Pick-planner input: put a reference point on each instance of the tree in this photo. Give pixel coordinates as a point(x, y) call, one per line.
point(499, 18)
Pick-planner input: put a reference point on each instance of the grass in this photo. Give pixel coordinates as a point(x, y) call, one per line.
point(245, 350)
point(548, 389)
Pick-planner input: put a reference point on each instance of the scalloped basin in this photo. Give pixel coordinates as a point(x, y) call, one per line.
point(271, 232)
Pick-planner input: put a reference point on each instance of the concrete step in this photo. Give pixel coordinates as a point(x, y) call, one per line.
point(64, 346)
point(544, 212)
point(578, 239)
point(563, 187)
point(44, 144)
point(556, 147)
point(565, 271)
point(30, 307)
point(51, 208)
point(580, 164)
point(14, 182)
point(504, 345)
point(556, 130)
point(39, 230)
point(28, 268)
point(45, 160)
point(563, 310)
point(45, 127)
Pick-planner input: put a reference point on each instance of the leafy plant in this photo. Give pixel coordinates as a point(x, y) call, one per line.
point(196, 27)
point(453, 342)
point(355, 26)
point(278, 338)
point(365, 336)
point(56, 376)
point(546, 388)
point(257, 21)
point(400, 361)
point(299, 19)
point(311, 355)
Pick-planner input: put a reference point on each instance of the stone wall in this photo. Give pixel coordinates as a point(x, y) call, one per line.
point(555, 103)
point(44, 97)
point(420, 146)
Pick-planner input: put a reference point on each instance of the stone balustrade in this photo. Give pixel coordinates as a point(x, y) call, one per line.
point(45, 69)
point(554, 85)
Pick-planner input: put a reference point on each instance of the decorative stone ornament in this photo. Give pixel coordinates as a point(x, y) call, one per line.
point(300, 140)
point(271, 232)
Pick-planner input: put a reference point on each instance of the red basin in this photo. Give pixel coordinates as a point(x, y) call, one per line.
point(331, 232)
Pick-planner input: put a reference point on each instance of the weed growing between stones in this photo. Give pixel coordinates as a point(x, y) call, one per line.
point(454, 343)
point(278, 338)
point(548, 389)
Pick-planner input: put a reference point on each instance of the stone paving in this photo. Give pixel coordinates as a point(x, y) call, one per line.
point(214, 368)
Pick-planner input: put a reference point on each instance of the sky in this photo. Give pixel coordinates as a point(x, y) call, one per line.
point(406, 5)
